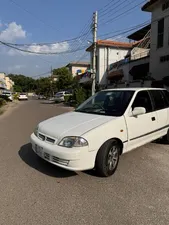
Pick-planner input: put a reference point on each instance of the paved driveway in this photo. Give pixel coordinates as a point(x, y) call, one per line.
point(35, 192)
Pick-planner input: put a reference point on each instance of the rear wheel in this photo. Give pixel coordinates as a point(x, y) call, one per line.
point(107, 158)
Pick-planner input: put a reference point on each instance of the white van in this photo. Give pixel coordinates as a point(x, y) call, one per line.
point(108, 124)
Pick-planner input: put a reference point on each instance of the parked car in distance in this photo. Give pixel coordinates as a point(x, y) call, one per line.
point(108, 124)
point(60, 96)
point(41, 97)
point(22, 96)
point(9, 94)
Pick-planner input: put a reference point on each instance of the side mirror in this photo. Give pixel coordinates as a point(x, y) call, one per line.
point(138, 111)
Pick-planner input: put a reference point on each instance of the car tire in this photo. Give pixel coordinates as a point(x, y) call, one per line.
point(166, 138)
point(107, 158)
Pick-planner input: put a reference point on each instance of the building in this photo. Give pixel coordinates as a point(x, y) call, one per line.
point(108, 52)
point(159, 53)
point(77, 68)
point(6, 82)
point(9, 83)
point(134, 67)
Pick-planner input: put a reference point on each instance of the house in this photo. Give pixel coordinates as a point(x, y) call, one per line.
point(108, 52)
point(77, 68)
point(135, 65)
point(6, 82)
point(159, 53)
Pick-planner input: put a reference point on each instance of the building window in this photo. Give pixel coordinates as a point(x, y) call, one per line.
point(160, 36)
point(164, 58)
point(165, 5)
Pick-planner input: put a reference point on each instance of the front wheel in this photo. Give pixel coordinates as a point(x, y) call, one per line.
point(107, 158)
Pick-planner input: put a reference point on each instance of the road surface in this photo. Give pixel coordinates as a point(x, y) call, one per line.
point(34, 192)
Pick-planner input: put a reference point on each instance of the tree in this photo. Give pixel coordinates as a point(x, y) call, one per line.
point(65, 78)
point(23, 83)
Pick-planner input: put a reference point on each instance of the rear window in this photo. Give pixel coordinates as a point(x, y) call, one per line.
point(158, 99)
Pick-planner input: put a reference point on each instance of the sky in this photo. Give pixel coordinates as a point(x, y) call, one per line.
point(53, 21)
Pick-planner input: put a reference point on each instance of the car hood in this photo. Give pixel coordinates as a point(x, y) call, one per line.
point(72, 124)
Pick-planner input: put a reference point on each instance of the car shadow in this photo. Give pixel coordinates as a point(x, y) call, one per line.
point(50, 103)
point(30, 158)
point(160, 142)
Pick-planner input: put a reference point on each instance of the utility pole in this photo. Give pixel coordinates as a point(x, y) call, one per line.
point(95, 21)
point(51, 81)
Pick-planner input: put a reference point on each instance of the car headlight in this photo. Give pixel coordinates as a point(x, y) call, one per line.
point(36, 131)
point(70, 142)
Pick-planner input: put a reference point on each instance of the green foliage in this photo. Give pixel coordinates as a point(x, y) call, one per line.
point(15, 96)
point(79, 95)
point(2, 102)
point(5, 98)
point(65, 78)
point(67, 99)
point(23, 83)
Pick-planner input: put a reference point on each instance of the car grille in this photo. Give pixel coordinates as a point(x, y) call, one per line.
point(60, 161)
point(55, 159)
point(46, 139)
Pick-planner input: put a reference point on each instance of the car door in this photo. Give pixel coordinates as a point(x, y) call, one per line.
point(141, 128)
point(161, 107)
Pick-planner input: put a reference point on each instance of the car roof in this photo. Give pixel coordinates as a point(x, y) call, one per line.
point(133, 89)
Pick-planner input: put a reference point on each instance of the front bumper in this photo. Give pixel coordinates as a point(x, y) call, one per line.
point(74, 159)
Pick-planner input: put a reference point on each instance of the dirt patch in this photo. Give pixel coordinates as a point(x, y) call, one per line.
point(8, 108)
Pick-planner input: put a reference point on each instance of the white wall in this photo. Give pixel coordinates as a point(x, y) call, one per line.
point(114, 55)
point(75, 68)
point(157, 68)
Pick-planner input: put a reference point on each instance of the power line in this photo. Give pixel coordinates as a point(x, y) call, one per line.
point(41, 74)
point(105, 6)
point(48, 43)
point(123, 13)
point(127, 29)
point(42, 53)
point(111, 10)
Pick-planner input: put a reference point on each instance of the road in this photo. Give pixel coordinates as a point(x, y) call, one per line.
point(34, 192)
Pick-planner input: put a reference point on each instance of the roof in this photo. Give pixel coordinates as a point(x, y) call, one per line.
point(147, 6)
point(139, 34)
point(133, 89)
point(78, 64)
point(115, 44)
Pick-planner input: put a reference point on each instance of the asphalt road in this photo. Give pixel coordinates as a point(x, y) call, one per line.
point(34, 192)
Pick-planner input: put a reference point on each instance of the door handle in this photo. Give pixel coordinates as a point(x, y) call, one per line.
point(153, 118)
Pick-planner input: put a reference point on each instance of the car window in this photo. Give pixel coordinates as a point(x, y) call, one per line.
point(166, 95)
point(159, 99)
point(143, 100)
point(108, 103)
point(67, 92)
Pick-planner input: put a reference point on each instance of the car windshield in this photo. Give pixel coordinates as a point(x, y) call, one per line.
point(59, 94)
point(108, 103)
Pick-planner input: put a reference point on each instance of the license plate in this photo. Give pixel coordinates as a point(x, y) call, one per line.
point(38, 150)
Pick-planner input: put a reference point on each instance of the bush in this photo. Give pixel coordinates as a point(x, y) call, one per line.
point(67, 98)
point(15, 96)
point(5, 97)
point(2, 102)
point(79, 95)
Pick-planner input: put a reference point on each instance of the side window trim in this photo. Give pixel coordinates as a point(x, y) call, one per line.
point(165, 97)
point(153, 100)
point(152, 106)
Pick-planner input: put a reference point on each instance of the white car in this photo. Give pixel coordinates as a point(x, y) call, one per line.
point(108, 124)
point(22, 97)
point(9, 94)
point(60, 96)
